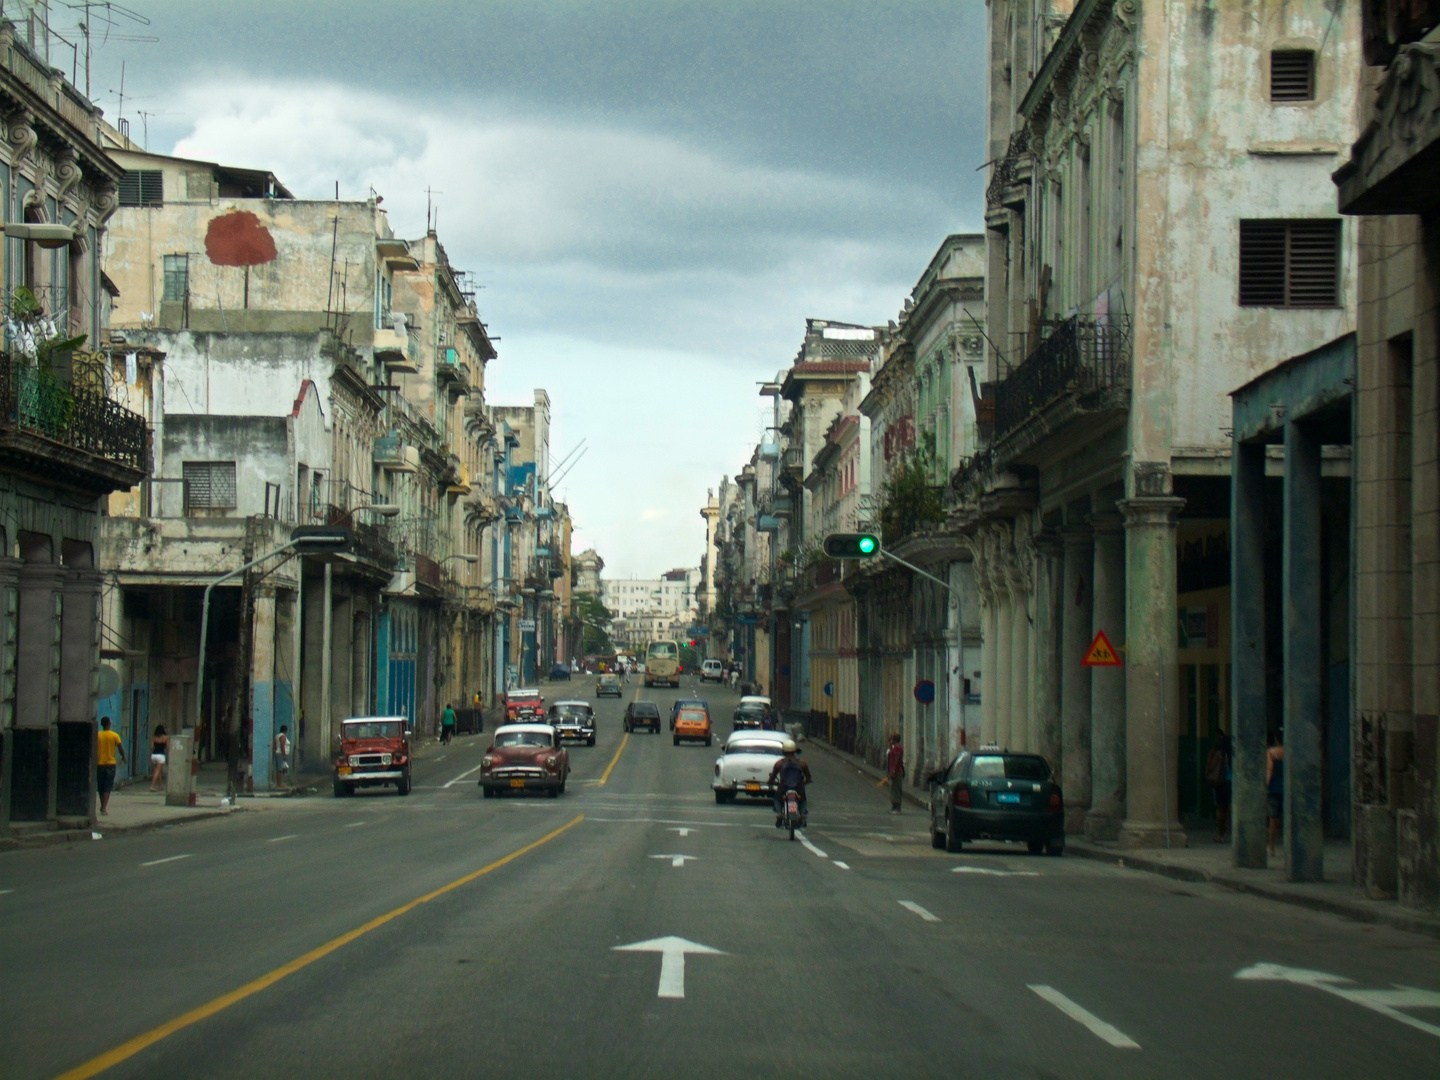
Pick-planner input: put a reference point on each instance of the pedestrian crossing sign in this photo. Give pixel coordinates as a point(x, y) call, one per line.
point(1101, 653)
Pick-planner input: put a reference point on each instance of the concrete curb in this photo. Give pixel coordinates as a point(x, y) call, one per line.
point(865, 767)
point(1358, 912)
point(70, 836)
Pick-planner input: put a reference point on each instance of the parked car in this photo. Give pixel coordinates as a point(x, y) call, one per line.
point(692, 723)
point(523, 704)
point(687, 703)
point(644, 714)
point(994, 795)
point(374, 750)
point(608, 684)
point(524, 757)
point(712, 671)
point(743, 768)
point(560, 673)
point(573, 720)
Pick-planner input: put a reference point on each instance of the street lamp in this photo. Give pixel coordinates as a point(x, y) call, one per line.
point(388, 510)
point(462, 558)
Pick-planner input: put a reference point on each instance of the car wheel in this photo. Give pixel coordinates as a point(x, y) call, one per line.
point(1055, 848)
point(554, 793)
point(707, 740)
point(953, 843)
point(488, 793)
point(1035, 846)
point(403, 785)
point(720, 797)
point(937, 839)
point(339, 790)
point(677, 740)
point(590, 741)
point(562, 787)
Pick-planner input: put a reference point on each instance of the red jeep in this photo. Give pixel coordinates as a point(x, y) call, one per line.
point(374, 750)
point(522, 705)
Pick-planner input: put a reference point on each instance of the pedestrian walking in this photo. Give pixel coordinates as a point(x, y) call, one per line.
point(1274, 785)
point(447, 725)
point(107, 746)
point(159, 752)
point(282, 755)
point(895, 770)
point(1219, 777)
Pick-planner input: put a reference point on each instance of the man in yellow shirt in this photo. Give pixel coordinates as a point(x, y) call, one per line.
point(107, 746)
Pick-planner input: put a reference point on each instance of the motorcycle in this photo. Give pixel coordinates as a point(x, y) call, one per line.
point(790, 812)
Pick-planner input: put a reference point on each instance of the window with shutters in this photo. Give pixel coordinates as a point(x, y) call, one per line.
point(1292, 75)
point(142, 187)
point(209, 485)
point(1290, 264)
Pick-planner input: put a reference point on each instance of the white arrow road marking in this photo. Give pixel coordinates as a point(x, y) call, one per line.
point(467, 772)
point(1111, 1034)
point(841, 865)
point(672, 952)
point(910, 905)
point(676, 860)
point(172, 858)
point(1385, 1002)
point(809, 846)
point(681, 830)
point(993, 872)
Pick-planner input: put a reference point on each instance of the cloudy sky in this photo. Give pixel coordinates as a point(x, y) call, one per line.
point(653, 195)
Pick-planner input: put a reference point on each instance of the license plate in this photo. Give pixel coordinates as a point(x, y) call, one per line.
point(752, 787)
point(344, 770)
point(1007, 797)
point(517, 783)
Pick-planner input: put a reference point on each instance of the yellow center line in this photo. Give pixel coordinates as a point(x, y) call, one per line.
point(613, 761)
point(129, 1049)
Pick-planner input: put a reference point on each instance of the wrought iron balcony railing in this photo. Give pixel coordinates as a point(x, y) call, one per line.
point(79, 417)
point(1080, 356)
point(1007, 168)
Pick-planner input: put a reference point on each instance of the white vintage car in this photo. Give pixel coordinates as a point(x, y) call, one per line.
point(744, 767)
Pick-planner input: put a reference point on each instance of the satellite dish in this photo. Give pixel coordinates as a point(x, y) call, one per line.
point(109, 681)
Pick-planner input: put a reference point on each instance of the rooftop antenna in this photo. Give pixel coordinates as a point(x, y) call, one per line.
point(89, 21)
point(429, 193)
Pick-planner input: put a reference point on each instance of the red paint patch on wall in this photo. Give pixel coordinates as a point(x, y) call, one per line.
point(239, 239)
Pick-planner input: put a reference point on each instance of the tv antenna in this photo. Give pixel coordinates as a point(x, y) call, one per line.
point(102, 18)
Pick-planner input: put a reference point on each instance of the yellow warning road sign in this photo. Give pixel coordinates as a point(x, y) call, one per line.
point(1101, 653)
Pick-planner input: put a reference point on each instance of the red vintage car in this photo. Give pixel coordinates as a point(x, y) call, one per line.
point(523, 704)
point(374, 750)
point(524, 757)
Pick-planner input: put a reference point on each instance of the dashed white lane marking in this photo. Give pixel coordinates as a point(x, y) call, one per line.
point(5, 892)
point(172, 858)
point(841, 865)
point(993, 872)
point(677, 860)
point(355, 824)
point(1109, 1032)
point(277, 839)
point(462, 776)
point(682, 830)
point(910, 905)
point(809, 846)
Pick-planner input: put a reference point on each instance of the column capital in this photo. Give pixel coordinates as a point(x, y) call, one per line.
point(1077, 536)
point(1151, 510)
point(1050, 544)
point(1106, 523)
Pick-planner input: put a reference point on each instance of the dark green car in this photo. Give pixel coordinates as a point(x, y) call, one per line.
point(995, 795)
point(642, 714)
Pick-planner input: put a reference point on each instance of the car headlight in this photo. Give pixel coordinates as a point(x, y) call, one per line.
point(487, 761)
point(551, 761)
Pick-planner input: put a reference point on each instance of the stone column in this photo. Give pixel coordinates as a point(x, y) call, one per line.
point(1076, 628)
point(1247, 652)
point(1020, 655)
point(1107, 685)
point(1004, 645)
point(1152, 737)
point(989, 654)
point(262, 686)
point(1045, 670)
point(1304, 661)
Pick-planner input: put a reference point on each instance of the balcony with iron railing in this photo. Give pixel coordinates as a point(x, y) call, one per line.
point(1086, 360)
point(1010, 169)
point(68, 427)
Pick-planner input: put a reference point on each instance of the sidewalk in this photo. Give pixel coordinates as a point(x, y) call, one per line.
point(1209, 862)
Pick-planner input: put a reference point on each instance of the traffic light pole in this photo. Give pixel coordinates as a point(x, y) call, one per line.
point(916, 570)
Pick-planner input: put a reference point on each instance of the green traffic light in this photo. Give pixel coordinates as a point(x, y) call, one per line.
point(867, 545)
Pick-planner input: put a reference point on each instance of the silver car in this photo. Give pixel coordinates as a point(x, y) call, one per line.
point(744, 767)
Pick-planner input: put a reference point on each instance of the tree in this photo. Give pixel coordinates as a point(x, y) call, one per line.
point(596, 619)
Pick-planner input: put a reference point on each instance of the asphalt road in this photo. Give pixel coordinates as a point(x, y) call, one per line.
point(289, 942)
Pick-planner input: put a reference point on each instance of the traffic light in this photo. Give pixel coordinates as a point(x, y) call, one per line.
point(852, 545)
point(320, 539)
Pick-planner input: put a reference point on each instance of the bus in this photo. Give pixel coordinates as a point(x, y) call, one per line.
point(662, 663)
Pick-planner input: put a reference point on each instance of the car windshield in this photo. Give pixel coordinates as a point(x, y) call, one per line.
point(375, 729)
point(569, 714)
point(524, 695)
point(1010, 767)
point(523, 738)
point(768, 749)
point(608, 679)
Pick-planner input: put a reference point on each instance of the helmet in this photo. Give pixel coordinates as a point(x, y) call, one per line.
point(788, 746)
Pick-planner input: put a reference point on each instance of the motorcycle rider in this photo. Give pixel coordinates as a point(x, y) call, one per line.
point(790, 773)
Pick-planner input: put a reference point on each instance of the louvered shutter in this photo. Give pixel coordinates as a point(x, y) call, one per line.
point(1292, 75)
point(1262, 264)
point(209, 485)
point(1314, 264)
